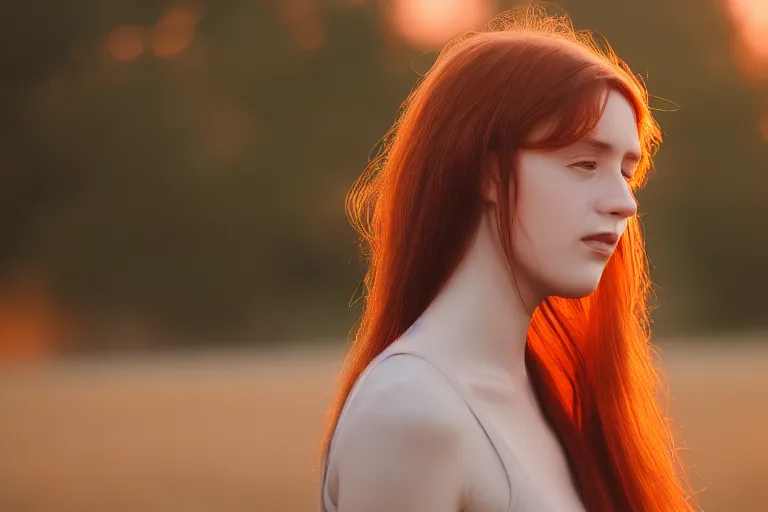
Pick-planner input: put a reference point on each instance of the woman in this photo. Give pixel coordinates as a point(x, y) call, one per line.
point(503, 362)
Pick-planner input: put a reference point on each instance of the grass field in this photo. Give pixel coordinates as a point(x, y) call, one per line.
point(237, 431)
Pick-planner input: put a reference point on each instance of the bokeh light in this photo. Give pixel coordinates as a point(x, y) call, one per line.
point(126, 42)
point(428, 24)
point(750, 18)
point(175, 31)
point(305, 23)
point(31, 323)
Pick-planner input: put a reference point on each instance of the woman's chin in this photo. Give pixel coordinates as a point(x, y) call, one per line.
point(577, 290)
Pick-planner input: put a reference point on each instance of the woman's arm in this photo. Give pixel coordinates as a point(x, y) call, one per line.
point(400, 443)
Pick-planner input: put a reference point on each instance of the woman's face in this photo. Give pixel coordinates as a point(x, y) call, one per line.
point(568, 194)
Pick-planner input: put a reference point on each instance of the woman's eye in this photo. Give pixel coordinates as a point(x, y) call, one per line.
point(590, 164)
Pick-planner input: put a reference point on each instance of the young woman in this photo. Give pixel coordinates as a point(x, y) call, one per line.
point(503, 361)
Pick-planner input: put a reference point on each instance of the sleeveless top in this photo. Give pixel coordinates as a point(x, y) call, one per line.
point(519, 500)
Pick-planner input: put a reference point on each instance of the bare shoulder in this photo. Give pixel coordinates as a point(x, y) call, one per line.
point(406, 394)
point(398, 446)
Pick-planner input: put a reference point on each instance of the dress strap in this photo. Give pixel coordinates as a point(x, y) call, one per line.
point(497, 442)
point(500, 447)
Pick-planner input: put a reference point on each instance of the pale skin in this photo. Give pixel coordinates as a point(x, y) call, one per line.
point(408, 443)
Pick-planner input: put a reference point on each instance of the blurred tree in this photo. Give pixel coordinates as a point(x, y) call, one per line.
point(186, 162)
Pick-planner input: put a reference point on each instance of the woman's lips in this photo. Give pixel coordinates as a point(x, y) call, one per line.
point(600, 247)
point(606, 236)
point(603, 243)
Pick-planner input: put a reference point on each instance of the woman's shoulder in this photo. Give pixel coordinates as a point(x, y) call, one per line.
point(405, 393)
point(401, 426)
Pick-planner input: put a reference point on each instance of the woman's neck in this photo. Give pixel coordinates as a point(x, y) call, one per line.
point(478, 318)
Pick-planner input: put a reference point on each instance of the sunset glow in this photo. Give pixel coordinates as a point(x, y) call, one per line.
point(428, 24)
point(750, 18)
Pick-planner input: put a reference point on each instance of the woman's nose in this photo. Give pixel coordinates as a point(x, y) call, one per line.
point(619, 200)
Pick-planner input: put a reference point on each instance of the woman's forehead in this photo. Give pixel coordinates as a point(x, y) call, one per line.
point(615, 130)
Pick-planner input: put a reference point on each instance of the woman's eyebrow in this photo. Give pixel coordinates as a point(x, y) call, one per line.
point(606, 147)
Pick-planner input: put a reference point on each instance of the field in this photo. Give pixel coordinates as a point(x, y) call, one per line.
point(237, 431)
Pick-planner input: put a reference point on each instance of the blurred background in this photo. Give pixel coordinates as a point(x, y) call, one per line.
point(178, 279)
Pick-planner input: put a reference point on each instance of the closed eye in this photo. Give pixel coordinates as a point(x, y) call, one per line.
point(585, 162)
point(591, 166)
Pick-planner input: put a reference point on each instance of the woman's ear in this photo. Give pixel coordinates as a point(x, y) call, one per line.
point(491, 180)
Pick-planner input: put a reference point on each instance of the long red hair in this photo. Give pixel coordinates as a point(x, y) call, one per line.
point(418, 204)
